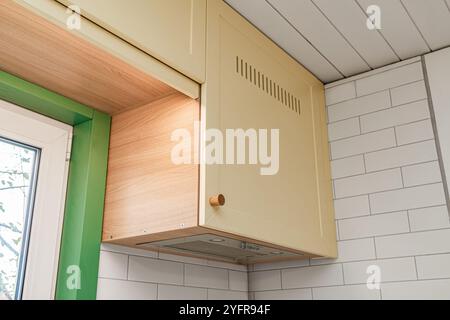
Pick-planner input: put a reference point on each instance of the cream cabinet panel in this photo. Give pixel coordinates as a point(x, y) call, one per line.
point(252, 84)
point(172, 31)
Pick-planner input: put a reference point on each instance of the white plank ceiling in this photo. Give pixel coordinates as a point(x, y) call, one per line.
point(331, 39)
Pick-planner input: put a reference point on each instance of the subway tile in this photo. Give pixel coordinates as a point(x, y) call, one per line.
point(417, 290)
point(401, 156)
point(351, 250)
point(238, 280)
point(207, 277)
point(377, 225)
point(168, 292)
point(340, 93)
point(358, 292)
point(327, 275)
point(347, 167)
point(368, 183)
point(156, 271)
point(412, 112)
point(390, 79)
point(402, 269)
point(113, 265)
point(414, 132)
point(343, 129)
point(293, 294)
point(214, 294)
point(128, 250)
point(418, 243)
point(409, 93)
point(359, 106)
point(409, 198)
point(429, 218)
point(281, 265)
point(110, 289)
point(352, 207)
point(425, 173)
point(265, 280)
point(433, 267)
point(364, 143)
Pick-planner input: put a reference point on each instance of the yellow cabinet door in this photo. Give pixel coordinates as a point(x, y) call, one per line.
point(172, 31)
point(253, 85)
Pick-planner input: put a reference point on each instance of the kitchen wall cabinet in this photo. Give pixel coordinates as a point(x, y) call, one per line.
point(172, 31)
point(228, 211)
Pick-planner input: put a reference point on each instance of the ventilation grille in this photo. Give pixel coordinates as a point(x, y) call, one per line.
point(266, 84)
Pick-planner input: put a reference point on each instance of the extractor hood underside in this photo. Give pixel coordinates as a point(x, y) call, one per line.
point(220, 248)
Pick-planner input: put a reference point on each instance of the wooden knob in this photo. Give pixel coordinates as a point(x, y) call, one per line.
point(217, 201)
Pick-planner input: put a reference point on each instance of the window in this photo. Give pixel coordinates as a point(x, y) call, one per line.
point(33, 177)
point(18, 169)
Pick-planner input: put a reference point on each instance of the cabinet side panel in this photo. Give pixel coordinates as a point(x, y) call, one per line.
point(146, 191)
point(323, 173)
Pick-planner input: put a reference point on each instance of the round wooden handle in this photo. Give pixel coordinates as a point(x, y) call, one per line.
point(217, 201)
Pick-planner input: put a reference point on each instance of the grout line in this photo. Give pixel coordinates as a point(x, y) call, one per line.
point(281, 279)
point(385, 149)
point(379, 110)
point(362, 283)
point(157, 291)
point(409, 220)
point(375, 92)
point(383, 129)
point(343, 275)
point(390, 212)
point(384, 170)
point(417, 269)
point(306, 39)
point(375, 248)
point(128, 267)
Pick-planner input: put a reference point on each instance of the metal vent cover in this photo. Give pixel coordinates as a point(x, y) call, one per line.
point(269, 86)
point(222, 248)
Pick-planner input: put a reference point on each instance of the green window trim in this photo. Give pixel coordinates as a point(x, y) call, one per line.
point(83, 214)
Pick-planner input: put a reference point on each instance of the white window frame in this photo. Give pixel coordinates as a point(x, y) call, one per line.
point(53, 138)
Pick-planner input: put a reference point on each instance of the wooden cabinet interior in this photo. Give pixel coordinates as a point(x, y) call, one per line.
point(38, 51)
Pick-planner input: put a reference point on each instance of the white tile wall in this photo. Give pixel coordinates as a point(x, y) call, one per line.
point(348, 167)
point(344, 129)
point(390, 204)
point(429, 218)
point(411, 92)
point(401, 156)
point(127, 273)
point(414, 132)
point(352, 207)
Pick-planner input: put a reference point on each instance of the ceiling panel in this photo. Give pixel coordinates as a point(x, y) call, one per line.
point(398, 28)
point(313, 25)
point(264, 17)
point(331, 39)
point(432, 17)
point(352, 22)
